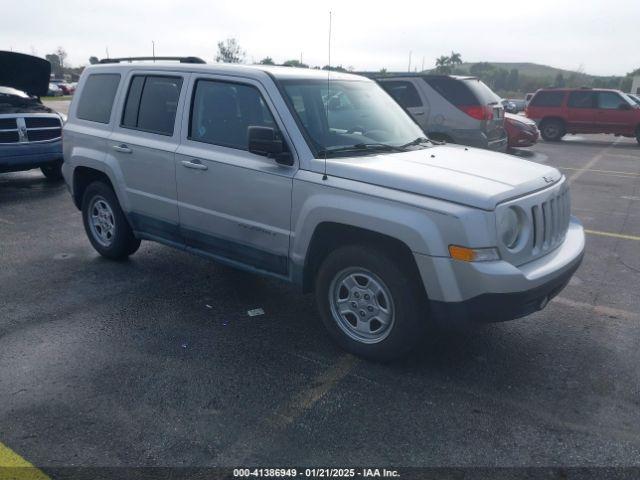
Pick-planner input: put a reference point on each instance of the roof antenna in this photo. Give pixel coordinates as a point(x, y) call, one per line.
point(324, 176)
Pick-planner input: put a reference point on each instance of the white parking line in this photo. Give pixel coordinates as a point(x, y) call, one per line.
point(591, 162)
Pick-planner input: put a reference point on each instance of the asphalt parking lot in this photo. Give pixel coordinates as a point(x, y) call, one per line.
point(154, 361)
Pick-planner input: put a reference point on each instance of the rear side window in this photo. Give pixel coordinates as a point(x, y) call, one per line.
point(455, 91)
point(581, 99)
point(151, 104)
point(97, 97)
point(547, 99)
point(403, 92)
point(222, 113)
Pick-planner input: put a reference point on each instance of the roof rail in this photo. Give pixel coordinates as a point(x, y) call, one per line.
point(135, 59)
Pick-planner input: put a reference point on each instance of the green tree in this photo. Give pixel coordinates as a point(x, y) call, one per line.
point(443, 65)
point(267, 61)
point(513, 82)
point(559, 81)
point(230, 51)
point(54, 60)
point(455, 59)
point(295, 63)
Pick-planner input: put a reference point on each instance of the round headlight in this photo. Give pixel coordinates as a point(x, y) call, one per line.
point(509, 227)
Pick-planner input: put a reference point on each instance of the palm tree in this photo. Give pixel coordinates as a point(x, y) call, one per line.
point(443, 64)
point(455, 58)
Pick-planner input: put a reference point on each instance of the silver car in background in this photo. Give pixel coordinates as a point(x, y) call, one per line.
point(450, 108)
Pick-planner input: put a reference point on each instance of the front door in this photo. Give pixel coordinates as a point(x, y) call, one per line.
point(233, 204)
point(615, 114)
point(143, 143)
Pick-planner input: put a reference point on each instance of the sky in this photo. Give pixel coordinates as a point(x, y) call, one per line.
point(598, 37)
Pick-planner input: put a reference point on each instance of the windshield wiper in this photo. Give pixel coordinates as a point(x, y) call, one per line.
point(363, 147)
point(415, 142)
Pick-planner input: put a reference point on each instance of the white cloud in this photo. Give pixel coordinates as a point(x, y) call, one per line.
point(367, 35)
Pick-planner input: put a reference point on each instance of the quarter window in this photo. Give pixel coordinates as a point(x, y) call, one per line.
point(404, 93)
point(580, 99)
point(97, 97)
point(609, 100)
point(222, 113)
point(151, 104)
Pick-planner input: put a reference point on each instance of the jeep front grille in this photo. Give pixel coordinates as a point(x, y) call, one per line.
point(545, 217)
point(30, 128)
point(550, 221)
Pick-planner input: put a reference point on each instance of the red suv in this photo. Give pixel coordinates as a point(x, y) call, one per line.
point(558, 111)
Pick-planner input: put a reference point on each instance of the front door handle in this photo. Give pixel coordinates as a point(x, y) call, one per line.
point(122, 148)
point(419, 113)
point(195, 164)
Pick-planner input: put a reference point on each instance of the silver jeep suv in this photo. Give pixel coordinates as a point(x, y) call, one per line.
point(323, 182)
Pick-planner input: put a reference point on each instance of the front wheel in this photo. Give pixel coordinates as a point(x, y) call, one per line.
point(53, 171)
point(105, 223)
point(370, 304)
point(638, 135)
point(552, 130)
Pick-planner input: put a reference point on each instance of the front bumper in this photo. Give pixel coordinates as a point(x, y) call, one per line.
point(524, 138)
point(25, 156)
point(498, 291)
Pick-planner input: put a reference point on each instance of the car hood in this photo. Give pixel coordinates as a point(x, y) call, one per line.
point(519, 118)
point(25, 72)
point(464, 175)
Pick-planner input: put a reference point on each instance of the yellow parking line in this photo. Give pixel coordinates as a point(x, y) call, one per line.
point(611, 234)
point(14, 467)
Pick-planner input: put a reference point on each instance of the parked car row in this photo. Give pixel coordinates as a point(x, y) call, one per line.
point(559, 111)
point(64, 87)
point(326, 184)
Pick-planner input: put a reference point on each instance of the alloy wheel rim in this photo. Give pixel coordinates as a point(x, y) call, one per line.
point(361, 305)
point(102, 221)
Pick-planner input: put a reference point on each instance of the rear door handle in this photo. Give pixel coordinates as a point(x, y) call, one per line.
point(195, 164)
point(418, 113)
point(122, 148)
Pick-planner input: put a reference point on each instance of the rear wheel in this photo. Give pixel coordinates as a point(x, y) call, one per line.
point(369, 303)
point(105, 223)
point(552, 130)
point(638, 135)
point(53, 171)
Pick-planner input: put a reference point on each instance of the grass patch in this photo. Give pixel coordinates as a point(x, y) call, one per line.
point(55, 99)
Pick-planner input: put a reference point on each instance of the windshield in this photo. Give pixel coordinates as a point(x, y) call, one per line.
point(351, 116)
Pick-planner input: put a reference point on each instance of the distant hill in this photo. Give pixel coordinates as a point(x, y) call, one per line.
point(530, 69)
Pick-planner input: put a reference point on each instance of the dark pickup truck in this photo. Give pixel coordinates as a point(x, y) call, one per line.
point(30, 132)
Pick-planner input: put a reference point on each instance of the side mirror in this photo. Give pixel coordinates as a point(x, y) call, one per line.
point(264, 141)
point(624, 106)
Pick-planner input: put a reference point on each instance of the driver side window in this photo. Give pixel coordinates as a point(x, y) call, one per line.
point(609, 100)
point(222, 112)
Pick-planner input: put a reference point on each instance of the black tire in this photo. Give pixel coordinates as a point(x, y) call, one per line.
point(552, 130)
point(638, 135)
point(52, 171)
point(122, 241)
point(408, 301)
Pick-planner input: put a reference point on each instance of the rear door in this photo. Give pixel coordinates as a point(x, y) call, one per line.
point(581, 111)
point(405, 93)
point(614, 113)
point(143, 143)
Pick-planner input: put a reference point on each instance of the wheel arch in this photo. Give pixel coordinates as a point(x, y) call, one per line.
point(330, 235)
